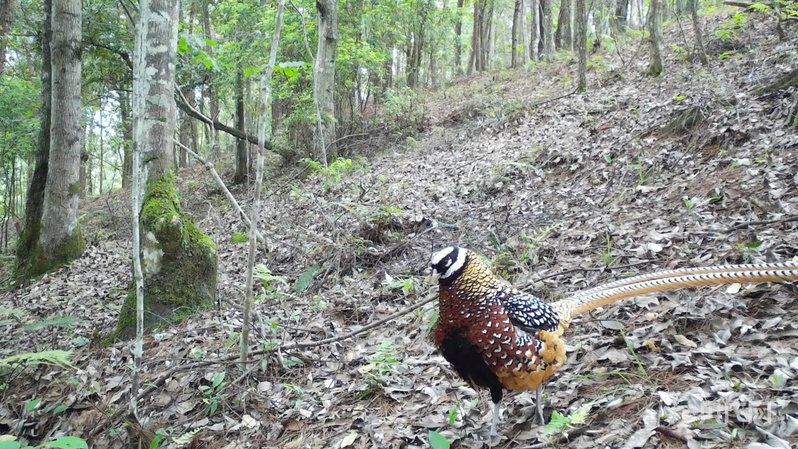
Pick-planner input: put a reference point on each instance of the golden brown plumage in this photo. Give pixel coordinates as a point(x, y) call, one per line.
point(500, 338)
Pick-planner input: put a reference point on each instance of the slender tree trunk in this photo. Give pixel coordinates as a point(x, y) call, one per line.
point(620, 18)
point(534, 29)
point(548, 38)
point(324, 77)
point(476, 37)
point(6, 9)
point(563, 39)
point(490, 33)
point(127, 137)
point(35, 198)
point(60, 240)
point(517, 33)
point(458, 43)
point(655, 41)
point(210, 91)
point(698, 32)
point(264, 132)
point(241, 144)
point(581, 45)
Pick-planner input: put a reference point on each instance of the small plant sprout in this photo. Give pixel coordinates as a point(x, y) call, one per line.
point(560, 424)
point(212, 393)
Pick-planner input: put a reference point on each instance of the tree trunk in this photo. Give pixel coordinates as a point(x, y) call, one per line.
point(621, 12)
point(490, 33)
point(458, 34)
point(581, 45)
point(6, 10)
point(60, 240)
point(698, 32)
point(655, 41)
point(476, 36)
point(324, 78)
point(35, 197)
point(548, 39)
point(179, 262)
point(127, 137)
point(517, 34)
point(563, 39)
point(241, 144)
point(534, 27)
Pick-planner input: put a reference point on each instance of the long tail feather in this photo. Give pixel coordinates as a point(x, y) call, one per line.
point(657, 282)
point(684, 272)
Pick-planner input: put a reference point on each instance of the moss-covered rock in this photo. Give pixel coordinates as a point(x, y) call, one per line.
point(178, 260)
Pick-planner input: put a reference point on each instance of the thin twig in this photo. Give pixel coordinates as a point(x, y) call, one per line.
point(209, 166)
point(762, 222)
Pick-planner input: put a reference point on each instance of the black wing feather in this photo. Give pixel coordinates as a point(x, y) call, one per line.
point(529, 312)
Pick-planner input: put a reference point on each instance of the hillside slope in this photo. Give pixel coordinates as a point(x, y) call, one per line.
point(561, 191)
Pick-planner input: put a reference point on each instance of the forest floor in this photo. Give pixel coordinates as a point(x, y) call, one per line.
point(560, 191)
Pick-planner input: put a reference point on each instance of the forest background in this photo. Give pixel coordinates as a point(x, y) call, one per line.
point(406, 125)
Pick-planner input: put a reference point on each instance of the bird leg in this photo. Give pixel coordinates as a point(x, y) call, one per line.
point(539, 404)
point(496, 407)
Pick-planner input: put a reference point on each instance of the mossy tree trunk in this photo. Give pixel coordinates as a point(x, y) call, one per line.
point(178, 261)
point(35, 198)
point(59, 238)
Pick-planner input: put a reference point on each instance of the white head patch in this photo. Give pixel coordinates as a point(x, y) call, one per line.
point(448, 261)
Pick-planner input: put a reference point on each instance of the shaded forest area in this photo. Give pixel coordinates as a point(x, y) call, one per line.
point(560, 190)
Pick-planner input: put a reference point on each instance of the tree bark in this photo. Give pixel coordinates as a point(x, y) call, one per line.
point(324, 78)
point(698, 32)
point(655, 41)
point(6, 10)
point(60, 240)
point(581, 45)
point(563, 39)
point(241, 145)
point(534, 27)
point(548, 38)
point(517, 34)
point(458, 34)
point(620, 18)
point(35, 199)
point(127, 137)
point(179, 262)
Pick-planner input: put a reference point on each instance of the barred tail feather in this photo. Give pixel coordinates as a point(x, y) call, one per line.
point(684, 272)
point(584, 302)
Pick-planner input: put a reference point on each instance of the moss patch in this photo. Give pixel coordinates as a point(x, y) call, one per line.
point(179, 262)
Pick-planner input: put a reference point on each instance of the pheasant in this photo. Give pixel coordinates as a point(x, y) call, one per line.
point(501, 338)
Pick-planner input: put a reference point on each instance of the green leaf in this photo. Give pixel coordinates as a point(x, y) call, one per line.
point(32, 404)
point(182, 46)
point(64, 321)
point(54, 357)
point(438, 441)
point(580, 415)
point(10, 444)
point(556, 423)
point(67, 442)
point(305, 279)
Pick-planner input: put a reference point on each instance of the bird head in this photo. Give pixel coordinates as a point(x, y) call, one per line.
point(448, 263)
